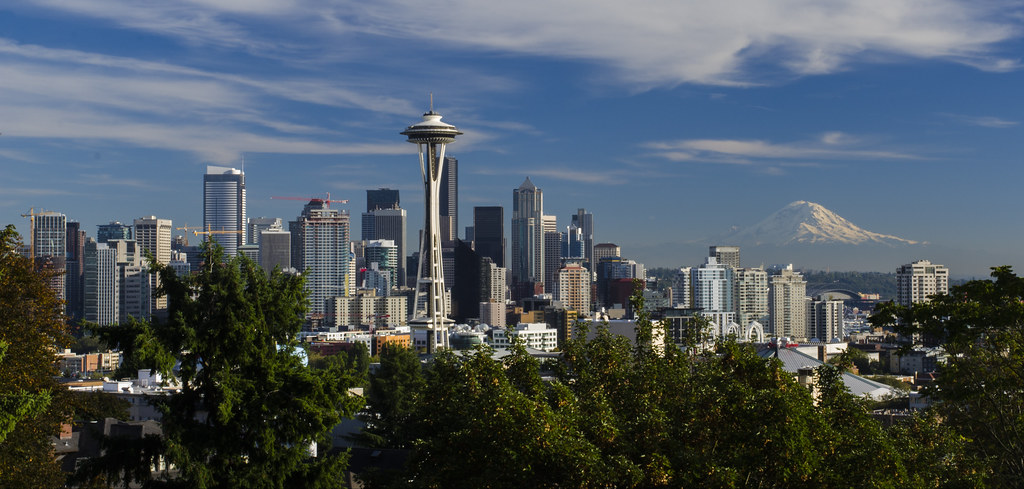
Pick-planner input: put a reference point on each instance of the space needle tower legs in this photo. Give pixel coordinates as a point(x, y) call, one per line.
point(430, 313)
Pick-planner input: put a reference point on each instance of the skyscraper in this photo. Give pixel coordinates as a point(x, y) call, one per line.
point(75, 245)
point(275, 250)
point(100, 301)
point(323, 237)
point(824, 318)
point(382, 198)
point(787, 310)
point(574, 288)
point(527, 240)
point(387, 223)
point(224, 207)
point(257, 225)
point(49, 242)
point(552, 253)
point(712, 286)
point(384, 253)
point(726, 255)
point(918, 281)
point(584, 221)
point(154, 235)
point(489, 233)
point(431, 137)
point(113, 230)
point(750, 293)
point(449, 203)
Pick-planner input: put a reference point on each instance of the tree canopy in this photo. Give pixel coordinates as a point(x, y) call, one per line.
point(248, 411)
point(615, 414)
point(980, 390)
point(32, 327)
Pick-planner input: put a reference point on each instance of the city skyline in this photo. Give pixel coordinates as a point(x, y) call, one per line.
point(905, 121)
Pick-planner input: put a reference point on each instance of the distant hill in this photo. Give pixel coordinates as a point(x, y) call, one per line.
point(880, 283)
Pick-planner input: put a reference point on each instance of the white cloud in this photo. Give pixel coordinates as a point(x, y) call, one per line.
point(982, 121)
point(655, 43)
point(831, 146)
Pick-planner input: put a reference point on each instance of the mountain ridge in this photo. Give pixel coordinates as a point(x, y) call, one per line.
point(804, 222)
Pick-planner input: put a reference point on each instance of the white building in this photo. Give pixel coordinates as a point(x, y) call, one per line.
point(323, 237)
point(750, 294)
point(682, 288)
point(224, 207)
point(916, 282)
point(787, 310)
point(712, 286)
point(534, 335)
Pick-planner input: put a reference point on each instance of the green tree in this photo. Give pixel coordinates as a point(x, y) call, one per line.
point(32, 326)
point(980, 390)
point(394, 391)
point(248, 410)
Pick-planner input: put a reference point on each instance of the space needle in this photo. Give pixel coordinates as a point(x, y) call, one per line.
point(431, 313)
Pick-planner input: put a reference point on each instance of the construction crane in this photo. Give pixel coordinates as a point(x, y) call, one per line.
point(327, 201)
point(186, 227)
point(197, 233)
point(32, 230)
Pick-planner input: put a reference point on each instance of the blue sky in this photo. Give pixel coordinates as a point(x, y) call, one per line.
point(672, 121)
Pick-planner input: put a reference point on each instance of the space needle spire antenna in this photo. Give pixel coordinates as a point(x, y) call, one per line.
point(431, 312)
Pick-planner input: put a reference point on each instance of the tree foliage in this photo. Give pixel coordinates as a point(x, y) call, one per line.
point(617, 414)
point(248, 410)
point(980, 390)
point(32, 327)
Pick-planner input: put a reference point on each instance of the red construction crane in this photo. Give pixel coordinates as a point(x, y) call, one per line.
point(327, 201)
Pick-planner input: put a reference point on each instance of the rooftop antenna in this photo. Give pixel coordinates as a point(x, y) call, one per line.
point(431, 102)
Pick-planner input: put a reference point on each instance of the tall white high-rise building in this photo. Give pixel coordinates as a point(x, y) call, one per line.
point(49, 248)
point(527, 240)
point(750, 295)
point(224, 207)
point(917, 281)
point(712, 286)
point(682, 288)
point(787, 309)
point(153, 235)
point(323, 235)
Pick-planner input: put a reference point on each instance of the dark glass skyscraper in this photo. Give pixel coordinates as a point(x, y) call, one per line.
point(382, 198)
point(114, 230)
point(489, 233)
point(449, 196)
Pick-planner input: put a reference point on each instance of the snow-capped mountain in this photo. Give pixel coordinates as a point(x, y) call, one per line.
point(803, 222)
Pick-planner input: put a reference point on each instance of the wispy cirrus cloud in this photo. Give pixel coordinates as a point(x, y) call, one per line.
point(981, 121)
point(834, 146)
point(660, 43)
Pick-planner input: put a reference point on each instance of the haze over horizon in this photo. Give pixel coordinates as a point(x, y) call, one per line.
point(672, 123)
